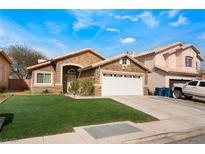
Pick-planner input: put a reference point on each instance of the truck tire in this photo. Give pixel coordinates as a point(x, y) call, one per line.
point(177, 94)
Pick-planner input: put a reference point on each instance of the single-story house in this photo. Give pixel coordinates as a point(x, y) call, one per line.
point(5, 63)
point(119, 75)
point(174, 63)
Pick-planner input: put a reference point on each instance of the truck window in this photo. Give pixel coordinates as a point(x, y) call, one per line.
point(202, 84)
point(193, 83)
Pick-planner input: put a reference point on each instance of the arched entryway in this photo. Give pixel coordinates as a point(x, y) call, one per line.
point(70, 73)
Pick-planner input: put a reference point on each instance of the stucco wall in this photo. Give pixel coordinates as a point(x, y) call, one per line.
point(149, 61)
point(156, 79)
point(191, 53)
point(4, 71)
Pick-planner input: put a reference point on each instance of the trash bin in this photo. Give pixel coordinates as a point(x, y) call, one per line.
point(159, 91)
point(168, 92)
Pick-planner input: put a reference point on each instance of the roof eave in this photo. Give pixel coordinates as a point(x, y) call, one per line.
point(5, 56)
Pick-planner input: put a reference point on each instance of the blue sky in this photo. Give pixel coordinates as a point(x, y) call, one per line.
point(110, 32)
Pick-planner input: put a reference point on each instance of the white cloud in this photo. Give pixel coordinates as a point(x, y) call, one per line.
point(201, 37)
point(127, 40)
point(87, 18)
point(146, 17)
point(126, 17)
point(149, 19)
point(182, 20)
point(109, 29)
point(170, 13)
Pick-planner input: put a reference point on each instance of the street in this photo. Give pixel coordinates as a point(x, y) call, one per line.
point(192, 140)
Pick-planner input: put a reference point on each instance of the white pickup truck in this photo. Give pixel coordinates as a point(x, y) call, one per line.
point(190, 89)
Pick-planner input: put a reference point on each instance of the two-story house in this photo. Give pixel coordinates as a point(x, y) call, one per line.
point(5, 63)
point(175, 63)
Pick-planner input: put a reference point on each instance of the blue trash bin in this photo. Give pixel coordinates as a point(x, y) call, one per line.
point(168, 92)
point(159, 91)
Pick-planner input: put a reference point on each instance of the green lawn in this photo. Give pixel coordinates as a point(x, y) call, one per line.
point(52, 114)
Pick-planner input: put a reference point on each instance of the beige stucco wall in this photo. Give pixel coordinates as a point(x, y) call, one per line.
point(4, 71)
point(174, 61)
point(156, 79)
point(191, 53)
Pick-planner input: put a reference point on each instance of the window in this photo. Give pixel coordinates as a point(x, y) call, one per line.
point(124, 61)
point(193, 83)
point(71, 71)
point(135, 76)
point(188, 61)
point(117, 75)
point(202, 84)
point(107, 75)
point(128, 76)
point(43, 77)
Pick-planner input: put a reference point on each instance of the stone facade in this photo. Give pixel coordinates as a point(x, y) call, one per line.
point(83, 60)
point(80, 60)
point(117, 67)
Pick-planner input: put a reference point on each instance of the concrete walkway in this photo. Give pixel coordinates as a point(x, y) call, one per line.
point(173, 119)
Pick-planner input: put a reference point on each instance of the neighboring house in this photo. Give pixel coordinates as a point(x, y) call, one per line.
point(119, 75)
point(175, 63)
point(5, 63)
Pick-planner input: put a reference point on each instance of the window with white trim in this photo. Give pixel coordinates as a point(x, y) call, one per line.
point(124, 61)
point(44, 78)
point(188, 61)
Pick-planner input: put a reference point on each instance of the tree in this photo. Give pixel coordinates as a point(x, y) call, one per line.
point(22, 56)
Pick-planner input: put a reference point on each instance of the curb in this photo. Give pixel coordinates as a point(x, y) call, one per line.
point(169, 137)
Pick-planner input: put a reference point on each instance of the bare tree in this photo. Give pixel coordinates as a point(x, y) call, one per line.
point(22, 56)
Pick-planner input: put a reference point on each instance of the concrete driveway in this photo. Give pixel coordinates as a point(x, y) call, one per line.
point(163, 107)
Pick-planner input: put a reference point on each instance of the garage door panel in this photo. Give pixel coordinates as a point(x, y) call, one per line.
point(114, 86)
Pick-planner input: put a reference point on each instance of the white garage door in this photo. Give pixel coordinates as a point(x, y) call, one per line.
point(115, 85)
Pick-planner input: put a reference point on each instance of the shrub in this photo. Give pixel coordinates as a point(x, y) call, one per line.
point(87, 87)
point(74, 87)
point(45, 91)
point(2, 89)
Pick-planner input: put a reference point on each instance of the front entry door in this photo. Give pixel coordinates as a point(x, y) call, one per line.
point(70, 78)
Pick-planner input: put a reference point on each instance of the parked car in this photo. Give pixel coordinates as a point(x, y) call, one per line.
point(190, 89)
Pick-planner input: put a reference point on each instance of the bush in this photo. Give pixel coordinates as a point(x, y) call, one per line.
point(45, 91)
point(74, 87)
point(2, 89)
point(87, 87)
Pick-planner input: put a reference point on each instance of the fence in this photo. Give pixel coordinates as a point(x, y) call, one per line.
point(19, 84)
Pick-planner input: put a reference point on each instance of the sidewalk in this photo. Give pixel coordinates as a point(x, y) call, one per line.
point(152, 132)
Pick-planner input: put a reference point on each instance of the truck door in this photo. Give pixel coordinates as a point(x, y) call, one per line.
point(201, 88)
point(190, 88)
